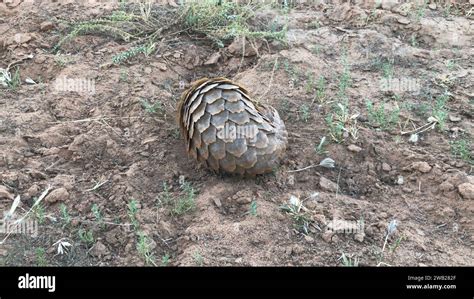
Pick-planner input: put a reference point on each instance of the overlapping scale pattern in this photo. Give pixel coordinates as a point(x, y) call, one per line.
point(227, 131)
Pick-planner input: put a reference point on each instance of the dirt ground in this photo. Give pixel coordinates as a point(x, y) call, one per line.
point(115, 162)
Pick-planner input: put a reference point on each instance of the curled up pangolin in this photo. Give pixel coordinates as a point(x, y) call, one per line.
point(229, 132)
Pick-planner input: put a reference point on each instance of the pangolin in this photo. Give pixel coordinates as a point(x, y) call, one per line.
point(229, 132)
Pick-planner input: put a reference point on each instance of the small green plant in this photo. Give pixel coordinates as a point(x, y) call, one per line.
point(122, 57)
point(301, 219)
point(186, 202)
point(62, 60)
point(152, 108)
point(462, 149)
point(198, 259)
point(420, 10)
point(65, 214)
point(144, 249)
point(348, 261)
point(345, 79)
point(165, 260)
point(309, 85)
point(321, 90)
point(397, 243)
point(450, 64)
point(381, 118)
point(97, 214)
point(123, 75)
point(305, 113)
point(439, 110)
point(320, 150)
point(387, 69)
point(40, 254)
point(341, 123)
point(316, 50)
point(39, 212)
point(86, 236)
point(165, 196)
point(253, 208)
point(132, 213)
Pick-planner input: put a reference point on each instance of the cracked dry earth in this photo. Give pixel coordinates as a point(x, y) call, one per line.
point(76, 141)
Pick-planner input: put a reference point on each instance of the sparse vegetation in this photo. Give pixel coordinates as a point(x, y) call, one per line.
point(198, 259)
point(349, 261)
point(40, 253)
point(305, 113)
point(462, 149)
point(221, 23)
point(144, 249)
point(380, 117)
point(86, 236)
point(65, 215)
point(132, 213)
point(439, 110)
point(186, 202)
point(152, 108)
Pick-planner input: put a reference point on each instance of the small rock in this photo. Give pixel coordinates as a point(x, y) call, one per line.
point(237, 46)
point(421, 166)
point(403, 20)
point(386, 167)
point(432, 6)
point(320, 218)
point(34, 190)
point(297, 249)
point(99, 250)
point(327, 236)
point(466, 190)
point(56, 195)
point(177, 55)
point(446, 187)
point(217, 202)
point(147, 70)
point(359, 237)
point(47, 25)
point(400, 180)
point(354, 148)
point(389, 4)
point(4, 193)
point(161, 66)
point(21, 38)
point(327, 185)
point(309, 239)
point(213, 59)
point(454, 118)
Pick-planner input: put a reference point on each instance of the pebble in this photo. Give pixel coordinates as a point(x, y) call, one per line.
point(4, 193)
point(354, 148)
point(421, 166)
point(466, 190)
point(56, 195)
point(327, 185)
point(386, 167)
point(47, 25)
